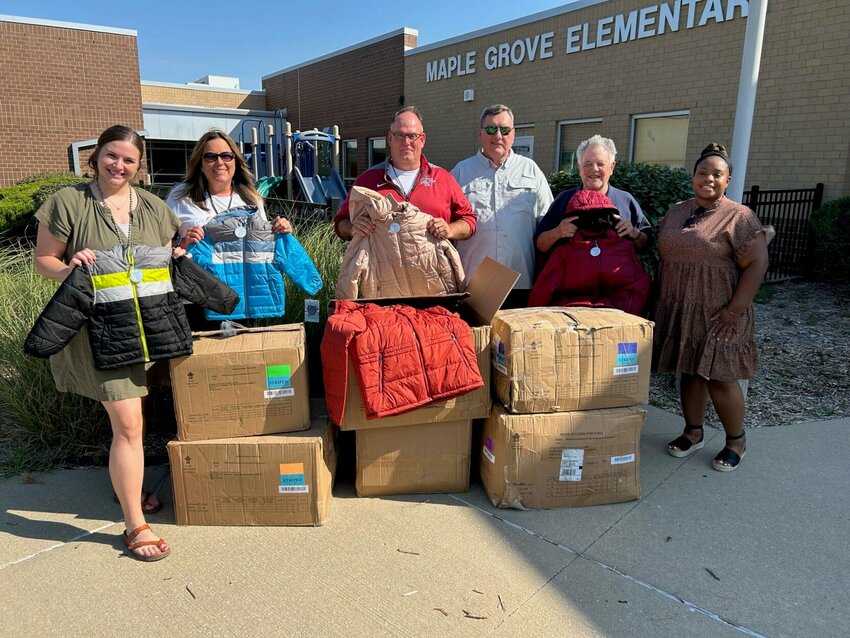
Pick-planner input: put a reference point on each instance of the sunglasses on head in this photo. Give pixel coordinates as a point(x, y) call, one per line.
point(227, 156)
point(492, 130)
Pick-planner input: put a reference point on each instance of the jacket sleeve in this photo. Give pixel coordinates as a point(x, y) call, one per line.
point(292, 259)
point(460, 206)
point(355, 266)
point(201, 254)
point(200, 287)
point(457, 272)
point(63, 316)
point(548, 282)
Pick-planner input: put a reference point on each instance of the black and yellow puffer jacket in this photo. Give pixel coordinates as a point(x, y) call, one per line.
point(133, 305)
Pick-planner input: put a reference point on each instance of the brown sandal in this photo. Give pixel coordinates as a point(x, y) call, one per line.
point(133, 546)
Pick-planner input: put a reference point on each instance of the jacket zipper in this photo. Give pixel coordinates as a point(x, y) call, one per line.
point(421, 358)
point(138, 311)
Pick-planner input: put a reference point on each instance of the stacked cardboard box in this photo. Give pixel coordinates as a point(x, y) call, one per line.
point(569, 379)
point(235, 398)
point(428, 449)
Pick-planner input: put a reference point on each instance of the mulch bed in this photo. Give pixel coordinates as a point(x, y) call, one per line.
point(803, 334)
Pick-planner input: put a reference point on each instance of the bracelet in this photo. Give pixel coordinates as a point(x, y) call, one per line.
point(636, 237)
point(734, 314)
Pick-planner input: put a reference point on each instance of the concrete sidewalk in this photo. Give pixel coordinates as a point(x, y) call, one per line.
point(760, 551)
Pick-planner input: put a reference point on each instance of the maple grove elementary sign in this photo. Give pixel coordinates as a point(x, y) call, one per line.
point(648, 22)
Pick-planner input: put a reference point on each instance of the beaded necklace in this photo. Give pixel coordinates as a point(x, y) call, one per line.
point(134, 275)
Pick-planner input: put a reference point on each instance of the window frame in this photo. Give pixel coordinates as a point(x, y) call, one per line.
point(655, 115)
point(559, 137)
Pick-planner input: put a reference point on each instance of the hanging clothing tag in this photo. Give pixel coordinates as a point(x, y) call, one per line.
point(240, 232)
point(311, 310)
point(395, 228)
point(135, 275)
point(595, 251)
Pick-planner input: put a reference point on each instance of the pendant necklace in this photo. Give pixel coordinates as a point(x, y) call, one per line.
point(134, 275)
point(212, 201)
point(395, 227)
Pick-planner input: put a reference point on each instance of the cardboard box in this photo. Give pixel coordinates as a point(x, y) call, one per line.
point(283, 479)
point(254, 382)
point(561, 459)
point(486, 292)
point(414, 459)
point(559, 359)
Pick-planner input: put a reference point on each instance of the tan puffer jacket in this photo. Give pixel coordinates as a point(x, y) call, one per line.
point(401, 258)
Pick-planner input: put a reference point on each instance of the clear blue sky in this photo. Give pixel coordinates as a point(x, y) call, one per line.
point(181, 41)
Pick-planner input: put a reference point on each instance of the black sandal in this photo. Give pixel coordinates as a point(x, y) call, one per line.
point(728, 459)
point(683, 446)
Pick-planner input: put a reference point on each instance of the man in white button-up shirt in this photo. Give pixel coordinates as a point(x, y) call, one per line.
point(510, 194)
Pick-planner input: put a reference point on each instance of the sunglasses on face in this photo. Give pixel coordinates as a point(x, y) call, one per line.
point(227, 157)
point(410, 137)
point(492, 130)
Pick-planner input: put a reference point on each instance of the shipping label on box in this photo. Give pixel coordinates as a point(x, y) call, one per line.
point(251, 383)
point(281, 479)
point(414, 459)
point(561, 459)
point(559, 359)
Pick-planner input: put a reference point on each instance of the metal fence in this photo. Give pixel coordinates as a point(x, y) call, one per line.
point(789, 212)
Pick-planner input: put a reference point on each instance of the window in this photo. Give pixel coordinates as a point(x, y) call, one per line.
point(524, 140)
point(167, 160)
point(377, 150)
point(660, 138)
point(349, 161)
point(571, 133)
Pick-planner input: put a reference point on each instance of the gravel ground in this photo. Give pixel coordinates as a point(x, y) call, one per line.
point(803, 334)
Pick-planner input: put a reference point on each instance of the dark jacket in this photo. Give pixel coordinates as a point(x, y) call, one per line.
point(133, 307)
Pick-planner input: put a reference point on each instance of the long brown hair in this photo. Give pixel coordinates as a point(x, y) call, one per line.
point(194, 183)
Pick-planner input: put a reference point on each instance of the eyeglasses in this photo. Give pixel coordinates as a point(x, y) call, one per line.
point(504, 130)
point(410, 137)
point(227, 157)
point(694, 217)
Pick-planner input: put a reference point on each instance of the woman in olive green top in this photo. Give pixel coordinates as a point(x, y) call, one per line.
point(73, 223)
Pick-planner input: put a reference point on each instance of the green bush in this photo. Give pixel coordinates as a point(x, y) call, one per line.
point(38, 425)
point(326, 251)
point(830, 226)
point(655, 187)
point(19, 202)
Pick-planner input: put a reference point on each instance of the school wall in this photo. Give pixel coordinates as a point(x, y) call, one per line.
point(60, 85)
point(357, 89)
point(157, 93)
point(801, 132)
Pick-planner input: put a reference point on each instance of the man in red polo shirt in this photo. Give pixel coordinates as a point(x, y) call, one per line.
point(409, 177)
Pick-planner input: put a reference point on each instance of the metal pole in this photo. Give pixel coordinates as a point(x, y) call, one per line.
point(336, 148)
point(270, 150)
point(288, 149)
point(747, 86)
point(255, 152)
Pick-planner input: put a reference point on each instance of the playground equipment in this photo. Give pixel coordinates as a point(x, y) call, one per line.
point(295, 166)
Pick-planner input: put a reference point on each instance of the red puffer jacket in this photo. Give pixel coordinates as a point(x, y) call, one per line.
point(403, 357)
point(576, 274)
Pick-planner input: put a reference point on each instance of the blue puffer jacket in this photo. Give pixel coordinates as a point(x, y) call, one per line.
point(240, 249)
